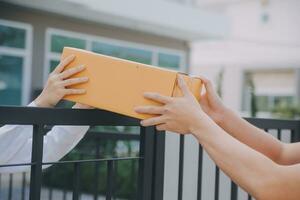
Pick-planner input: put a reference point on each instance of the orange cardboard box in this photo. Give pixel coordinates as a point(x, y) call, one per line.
point(118, 85)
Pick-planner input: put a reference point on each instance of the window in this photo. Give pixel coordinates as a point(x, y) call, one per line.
point(169, 61)
point(269, 103)
point(57, 39)
point(128, 53)
point(15, 62)
point(12, 36)
point(10, 76)
point(268, 90)
point(58, 42)
point(53, 64)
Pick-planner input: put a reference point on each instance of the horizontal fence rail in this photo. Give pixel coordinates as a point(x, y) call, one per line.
point(63, 116)
point(151, 160)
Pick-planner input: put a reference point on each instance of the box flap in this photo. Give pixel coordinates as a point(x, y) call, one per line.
point(194, 84)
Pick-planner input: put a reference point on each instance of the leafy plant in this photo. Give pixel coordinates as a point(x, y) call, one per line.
point(61, 176)
point(287, 111)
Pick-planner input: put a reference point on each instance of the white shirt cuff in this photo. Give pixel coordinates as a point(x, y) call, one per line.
point(32, 104)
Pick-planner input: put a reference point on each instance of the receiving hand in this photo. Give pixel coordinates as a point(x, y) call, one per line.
point(211, 103)
point(177, 114)
point(57, 84)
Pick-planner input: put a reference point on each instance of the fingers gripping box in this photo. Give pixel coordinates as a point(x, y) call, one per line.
point(118, 85)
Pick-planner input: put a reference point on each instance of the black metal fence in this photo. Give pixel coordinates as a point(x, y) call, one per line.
point(280, 127)
point(150, 177)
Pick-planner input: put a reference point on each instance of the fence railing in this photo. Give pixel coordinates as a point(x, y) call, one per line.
point(278, 129)
point(150, 177)
point(151, 159)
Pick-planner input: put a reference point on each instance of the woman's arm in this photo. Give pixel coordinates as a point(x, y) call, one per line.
point(256, 173)
point(16, 140)
point(280, 152)
point(16, 144)
point(250, 135)
point(57, 143)
point(253, 136)
point(253, 171)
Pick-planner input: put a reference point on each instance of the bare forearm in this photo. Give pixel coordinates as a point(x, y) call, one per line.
point(245, 166)
point(252, 136)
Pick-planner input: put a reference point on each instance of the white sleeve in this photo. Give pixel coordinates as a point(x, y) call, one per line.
point(57, 143)
point(12, 139)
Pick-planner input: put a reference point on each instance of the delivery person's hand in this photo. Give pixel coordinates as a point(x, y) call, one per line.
point(58, 82)
point(178, 114)
point(211, 102)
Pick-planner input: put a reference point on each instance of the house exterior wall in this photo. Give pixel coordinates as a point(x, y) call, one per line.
point(40, 21)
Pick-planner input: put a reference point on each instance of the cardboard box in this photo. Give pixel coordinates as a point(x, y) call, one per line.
point(118, 85)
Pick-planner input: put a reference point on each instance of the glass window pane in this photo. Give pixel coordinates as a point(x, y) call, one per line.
point(262, 103)
point(58, 42)
point(63, 103)
point(283, 101)
point(12, 37)
point(169, 61)
point(53, 64)
point(10, 80)
point(137, 55)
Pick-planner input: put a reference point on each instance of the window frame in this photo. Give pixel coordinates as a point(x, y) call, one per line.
point(25, 53)
point(93, 38)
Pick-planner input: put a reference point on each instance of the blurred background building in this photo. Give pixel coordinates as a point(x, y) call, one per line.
point(248, 48)
point(33, 34)
point(260, 55)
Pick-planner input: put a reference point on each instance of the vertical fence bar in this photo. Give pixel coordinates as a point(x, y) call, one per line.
point(23, 186)
point(200, 166)
point(279, 134)
point(249, 197)
point(10, 187)
point(50, 194)
point(181, 164)
point(217, 176)
point(36, 159)
point(158, 165)
point(110, 179)
point(133, 177)
point(234, 191)
point(64, 194)
point(293, 136)
point(76, 181)
point(297, 133)
point(146, 164)
point(140, 178)
point(97, 170)
point(114, 189)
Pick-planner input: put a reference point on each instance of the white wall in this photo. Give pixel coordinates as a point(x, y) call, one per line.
point(281, 28)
